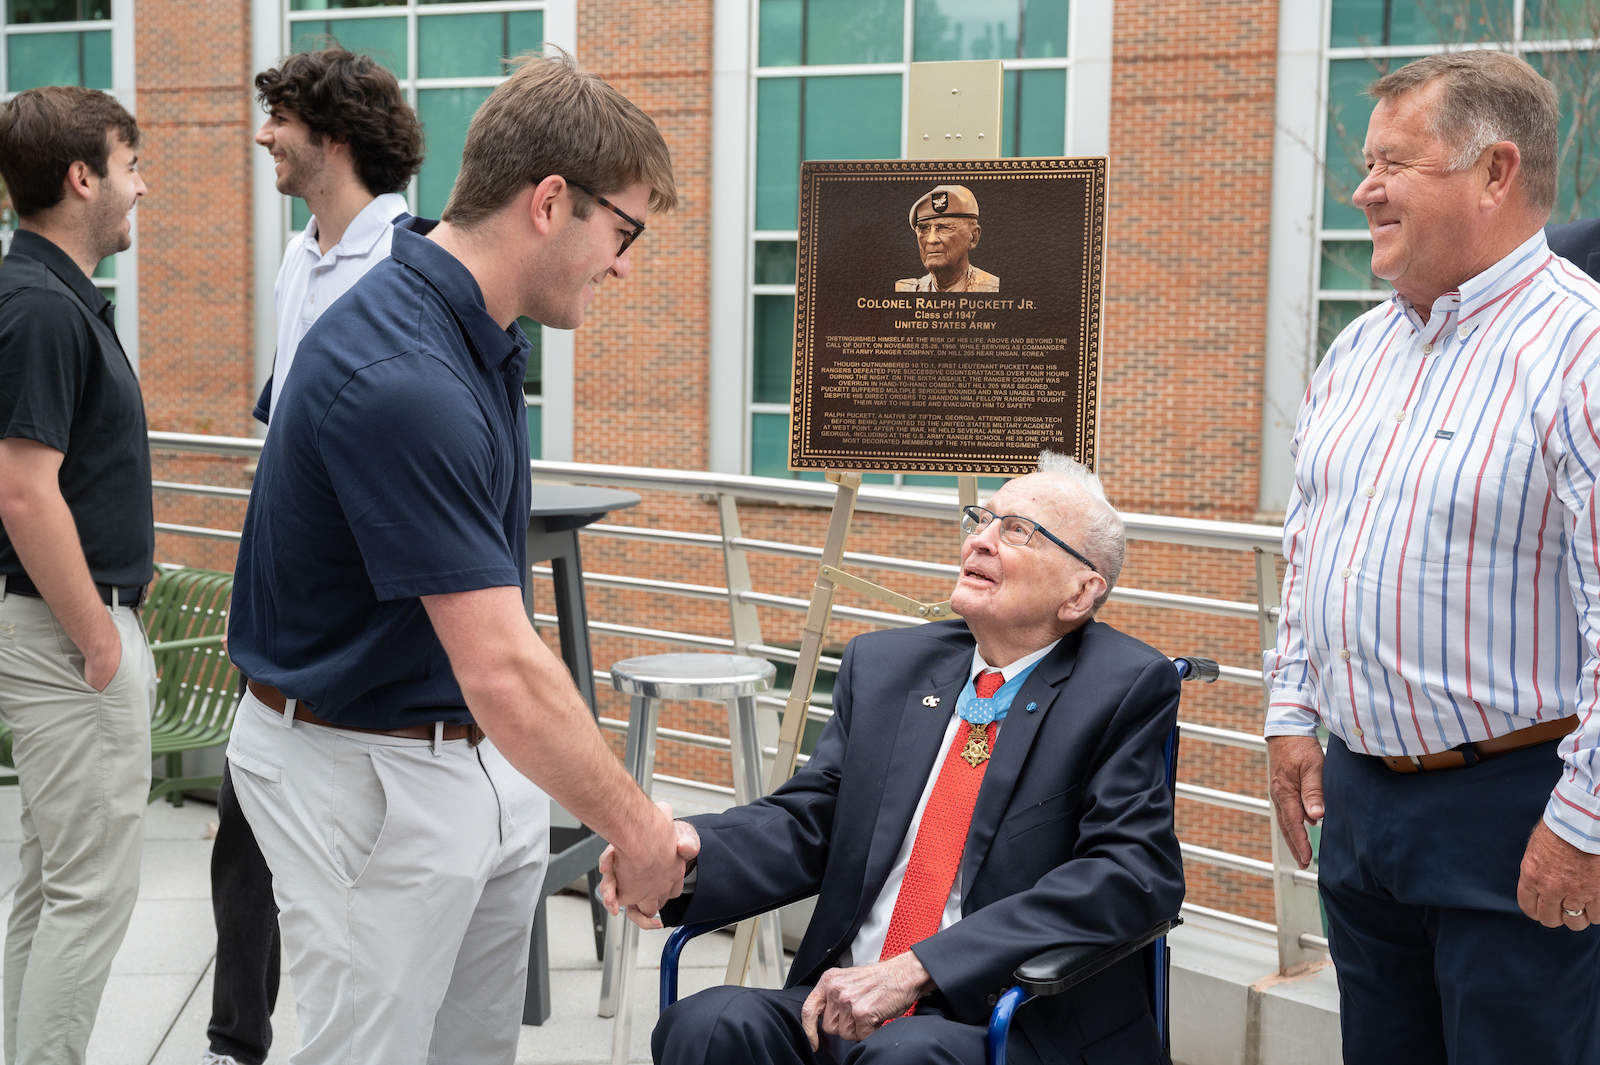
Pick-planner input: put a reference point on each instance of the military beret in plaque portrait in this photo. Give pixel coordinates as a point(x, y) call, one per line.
point(947, 314)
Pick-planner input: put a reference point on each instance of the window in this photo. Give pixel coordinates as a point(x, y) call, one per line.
point(829, 82)
point(448, 62)
point(1367, 38)
point(76, 42)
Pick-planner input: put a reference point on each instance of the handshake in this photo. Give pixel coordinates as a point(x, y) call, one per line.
point(640, 884)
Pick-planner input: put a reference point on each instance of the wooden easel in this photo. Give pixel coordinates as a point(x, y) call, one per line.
point(955, 114)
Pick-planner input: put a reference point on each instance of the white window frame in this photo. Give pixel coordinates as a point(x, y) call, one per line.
point(271, 22)
point(1294, 288)
point(736, 71)
point(123, 289)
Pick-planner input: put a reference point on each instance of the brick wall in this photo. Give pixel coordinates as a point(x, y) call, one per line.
point(195, 307)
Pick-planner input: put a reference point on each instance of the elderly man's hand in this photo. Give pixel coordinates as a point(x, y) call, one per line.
point(1295, 784)
point(854, 1003)
point(1556, 876)
point(643, 914)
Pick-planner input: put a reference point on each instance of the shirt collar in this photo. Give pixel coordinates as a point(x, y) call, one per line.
point(493, 346)
point(41, 249)
point(1487, 288)
point(979, 665)
point(364, 229)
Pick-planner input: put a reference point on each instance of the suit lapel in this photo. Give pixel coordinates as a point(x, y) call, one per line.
point(916, 745)
point(1011, 753)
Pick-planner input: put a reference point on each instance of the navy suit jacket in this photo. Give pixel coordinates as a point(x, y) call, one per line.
point(1578, 243)
point(1071, 839)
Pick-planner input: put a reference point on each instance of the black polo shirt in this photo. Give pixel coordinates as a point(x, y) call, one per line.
point(65, 382)
point(397, 467)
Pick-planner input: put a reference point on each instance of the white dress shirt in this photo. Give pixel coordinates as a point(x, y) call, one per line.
point(309, 282)
point(1443, 539)
point(867, 948)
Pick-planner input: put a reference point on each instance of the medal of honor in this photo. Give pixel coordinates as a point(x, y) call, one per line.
point(976, 752)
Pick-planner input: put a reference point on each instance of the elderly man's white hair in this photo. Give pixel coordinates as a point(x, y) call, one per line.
point(1105, 540)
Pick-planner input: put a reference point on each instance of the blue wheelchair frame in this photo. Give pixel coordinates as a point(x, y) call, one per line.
point(1049, 973)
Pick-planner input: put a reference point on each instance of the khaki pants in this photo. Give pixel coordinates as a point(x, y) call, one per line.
point(406, 878)
point(83, 762)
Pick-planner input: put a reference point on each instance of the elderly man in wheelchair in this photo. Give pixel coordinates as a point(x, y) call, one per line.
point(988, 790)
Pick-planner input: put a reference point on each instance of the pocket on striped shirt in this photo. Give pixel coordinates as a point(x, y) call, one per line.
point(1467, 505)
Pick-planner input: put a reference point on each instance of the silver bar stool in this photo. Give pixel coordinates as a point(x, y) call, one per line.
point(730, 679)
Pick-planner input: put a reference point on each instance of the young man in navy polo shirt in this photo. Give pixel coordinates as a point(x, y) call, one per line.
point(404, 723)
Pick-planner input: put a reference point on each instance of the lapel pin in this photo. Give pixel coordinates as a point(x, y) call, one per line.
point(1031, 707)
point(930, 700)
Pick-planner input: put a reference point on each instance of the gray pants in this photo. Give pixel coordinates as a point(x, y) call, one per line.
point(406, 877)
point(83, 763)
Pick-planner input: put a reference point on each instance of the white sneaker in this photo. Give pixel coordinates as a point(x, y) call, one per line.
point(208, 1058)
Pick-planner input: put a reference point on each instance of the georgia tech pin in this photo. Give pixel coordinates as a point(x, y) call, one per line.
point(930, 700)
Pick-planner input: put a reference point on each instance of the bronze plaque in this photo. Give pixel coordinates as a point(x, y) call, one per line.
point(947, 314)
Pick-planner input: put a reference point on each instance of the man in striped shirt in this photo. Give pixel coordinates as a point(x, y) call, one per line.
point(1441, 609)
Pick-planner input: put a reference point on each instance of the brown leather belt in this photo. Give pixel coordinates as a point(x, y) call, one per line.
point(1470, 754)
point(273, 699)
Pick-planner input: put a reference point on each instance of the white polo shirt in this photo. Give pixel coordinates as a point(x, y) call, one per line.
point(309, 282)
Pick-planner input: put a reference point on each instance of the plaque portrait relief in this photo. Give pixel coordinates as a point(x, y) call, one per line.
point(948, 371)
point(945, 222)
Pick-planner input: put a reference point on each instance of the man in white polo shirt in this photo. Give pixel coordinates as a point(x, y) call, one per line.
point(345, 141)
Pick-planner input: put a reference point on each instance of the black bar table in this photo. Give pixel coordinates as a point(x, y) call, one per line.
point(559, 512)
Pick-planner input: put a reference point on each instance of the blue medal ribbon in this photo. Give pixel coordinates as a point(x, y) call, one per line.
point(982, 711)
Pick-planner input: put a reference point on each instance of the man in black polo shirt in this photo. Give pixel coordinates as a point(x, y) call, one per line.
point(377, 608)
point(77, 540)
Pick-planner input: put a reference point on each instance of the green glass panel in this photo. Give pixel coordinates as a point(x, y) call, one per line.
point(780, 33)
point(1372, 23)
point(460, 46)
point(97, 59)
point(985, 484)
point(774, 349)
point(1559, 20)
point(965, 29)
point(1044, 30)
point(533, 376)
point(1575, 74)
point(335, 5)
point(775, 262)
point(1347, 264)
point(524, 32)
point(855, 31)
point(1034, 118)
point(106, 267)
point(769, 448)
point(34, 59)
point(445, 115)
point(111, 294)
point(21, 12)
point(384, 39)
point(1348, 111)
point(1332, 318)
point(777, 152)
point(300, 215)
point(535, 432)
point(852, 117)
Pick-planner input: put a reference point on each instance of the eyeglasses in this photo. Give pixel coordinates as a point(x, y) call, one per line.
point(1014, 529)
point(943, 229)
point(638, 226)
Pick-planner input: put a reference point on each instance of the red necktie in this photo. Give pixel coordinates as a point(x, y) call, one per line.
point(941, 836)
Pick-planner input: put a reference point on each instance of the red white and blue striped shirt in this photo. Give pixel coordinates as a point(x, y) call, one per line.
point(1443, 538)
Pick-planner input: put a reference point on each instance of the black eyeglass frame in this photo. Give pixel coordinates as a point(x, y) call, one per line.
point(638, 226)
point(970, 516)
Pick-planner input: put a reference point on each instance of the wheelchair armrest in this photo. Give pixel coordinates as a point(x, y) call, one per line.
point(676, 941)
point(1056, 970)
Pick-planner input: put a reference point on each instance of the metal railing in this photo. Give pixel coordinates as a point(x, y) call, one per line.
point(1298, 927)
